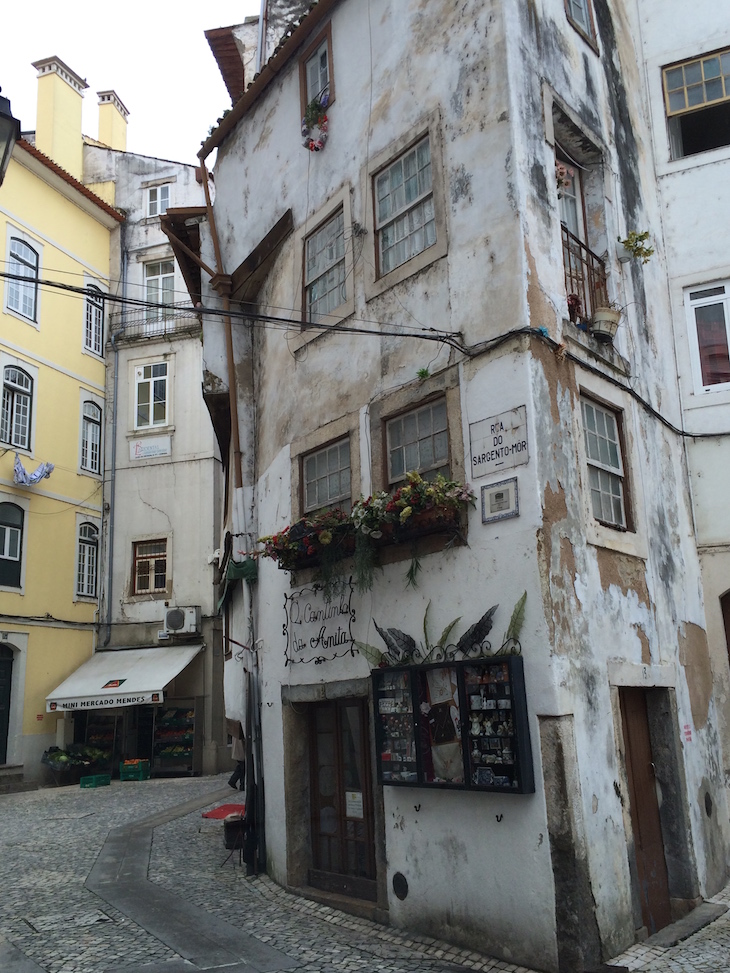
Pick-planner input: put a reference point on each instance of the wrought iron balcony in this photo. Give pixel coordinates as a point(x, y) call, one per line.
point(585, 276)
point(148, 323)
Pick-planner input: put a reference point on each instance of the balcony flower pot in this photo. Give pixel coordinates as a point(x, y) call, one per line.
point(605, 322)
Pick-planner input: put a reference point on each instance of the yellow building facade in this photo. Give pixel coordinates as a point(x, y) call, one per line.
point(53, 231)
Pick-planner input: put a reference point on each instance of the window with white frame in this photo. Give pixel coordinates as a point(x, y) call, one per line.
point(326, 477)
point(317, 72)
point(418, 441)
point(22, 291)
point(94, 325)
point(579, 13)
point(697, 101)
point(91, 437)
point(605, 463)
point(159, 289)
point(15, 421)
point(404, 210)
point(325, 286)
point(151, 395)
point(11, 544)
point(708, 310)
point(86, 567)
point(158, 200)
point(149, 569)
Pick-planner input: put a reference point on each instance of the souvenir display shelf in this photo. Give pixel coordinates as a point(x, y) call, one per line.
point(460, 725)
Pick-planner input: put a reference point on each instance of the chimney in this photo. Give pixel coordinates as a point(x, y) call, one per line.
point(58, 119)
point(112, 121)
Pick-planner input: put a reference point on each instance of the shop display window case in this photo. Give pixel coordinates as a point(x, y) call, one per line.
point(459, 725)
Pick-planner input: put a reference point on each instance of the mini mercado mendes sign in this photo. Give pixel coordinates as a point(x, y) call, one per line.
point(317, 630)
point(499, 442)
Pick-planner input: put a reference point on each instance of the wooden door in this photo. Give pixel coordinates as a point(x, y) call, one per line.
point(6, 673)
point(343, 852)
point(651, 865)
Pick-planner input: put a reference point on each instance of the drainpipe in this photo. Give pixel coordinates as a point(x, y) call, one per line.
point(262, 35)
point(113, 471)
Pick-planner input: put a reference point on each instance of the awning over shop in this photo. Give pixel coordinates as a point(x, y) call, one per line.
point(121, 677)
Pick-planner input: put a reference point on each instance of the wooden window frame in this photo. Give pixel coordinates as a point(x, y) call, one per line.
point(136, 559)
point(158, 191)
point(307, 316)
point(94, 321)
point(338, 502)
point(87, 422)
point(392, 483)
point(86, 544)
point(307, 54)
point(588, 35)
point(623, 475)
point(696, 297)
point(13, 392)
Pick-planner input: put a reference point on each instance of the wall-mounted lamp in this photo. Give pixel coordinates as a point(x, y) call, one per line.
point(9, 135)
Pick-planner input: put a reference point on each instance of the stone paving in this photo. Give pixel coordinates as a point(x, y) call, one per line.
point(50, 840)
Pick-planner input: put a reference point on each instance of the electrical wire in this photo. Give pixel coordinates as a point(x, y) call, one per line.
point(257, 318)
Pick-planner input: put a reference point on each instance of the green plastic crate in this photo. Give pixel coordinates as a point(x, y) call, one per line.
point(96, 780)
point(138, 771)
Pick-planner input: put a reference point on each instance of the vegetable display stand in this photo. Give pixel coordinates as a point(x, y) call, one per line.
point(176, 743)
point(96, 780)
point(134, 770)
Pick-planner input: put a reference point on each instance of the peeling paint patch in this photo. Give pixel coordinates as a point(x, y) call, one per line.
point(626, 572)
point(645, 645)
point(694, 656)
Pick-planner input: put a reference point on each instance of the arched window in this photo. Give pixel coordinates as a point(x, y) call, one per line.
point(91, 438)
point(94, 331)
point(11, 544)
point(87, 561)
point(23, 294)
point(16, 409)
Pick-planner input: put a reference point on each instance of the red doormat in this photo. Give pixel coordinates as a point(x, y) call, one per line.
point(224, 810)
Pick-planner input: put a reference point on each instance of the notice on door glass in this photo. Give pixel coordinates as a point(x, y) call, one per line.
point(353, 804)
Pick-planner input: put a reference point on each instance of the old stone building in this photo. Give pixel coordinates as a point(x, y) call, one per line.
point(411, 264)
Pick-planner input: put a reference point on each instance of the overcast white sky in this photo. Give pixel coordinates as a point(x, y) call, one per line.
point(153, 54)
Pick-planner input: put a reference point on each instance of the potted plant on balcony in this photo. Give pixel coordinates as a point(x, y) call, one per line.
point(605, 320)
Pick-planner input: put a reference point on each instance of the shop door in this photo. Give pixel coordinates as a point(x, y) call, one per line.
point(6, 673)
point(343, 853)
point(651, 865)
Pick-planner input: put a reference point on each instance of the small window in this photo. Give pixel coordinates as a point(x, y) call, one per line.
point(316, 81)
point(709, 318)
point(327, 477)
point(697, 100)
point(94, 330)
point(151, 403)
point(23, 294)
point(579, 14)
point(91, 438)
point(418, 441)
point(149, 573)
point(159, 289)
point(324, 269)
point(158, 199)
point(87, 561)
point(605, 464)
point(404, 209)
point(15, 423)
point(11, 544)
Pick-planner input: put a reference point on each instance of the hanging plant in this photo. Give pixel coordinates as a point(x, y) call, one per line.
point(315, 118)
point(636, 244)
point(563, 176)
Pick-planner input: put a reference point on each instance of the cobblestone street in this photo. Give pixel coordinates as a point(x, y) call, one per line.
point(52, 841)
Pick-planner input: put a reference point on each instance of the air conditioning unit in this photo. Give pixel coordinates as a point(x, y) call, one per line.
point(182, 621)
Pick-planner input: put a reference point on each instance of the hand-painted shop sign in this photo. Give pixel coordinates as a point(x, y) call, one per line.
point(317, 630)
point(499, 443)
point(150, 448)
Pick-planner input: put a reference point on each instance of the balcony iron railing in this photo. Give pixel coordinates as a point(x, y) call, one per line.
point(145, 322)
point(585, 277)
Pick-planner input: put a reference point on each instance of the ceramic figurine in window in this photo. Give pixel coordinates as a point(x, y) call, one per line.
point(476, 756)
point(476, 727)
